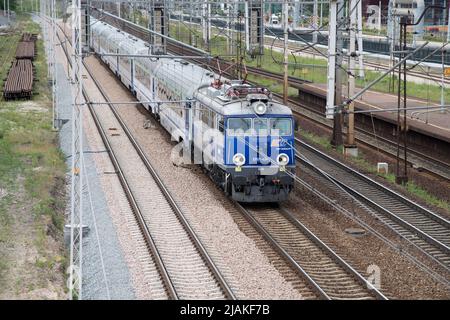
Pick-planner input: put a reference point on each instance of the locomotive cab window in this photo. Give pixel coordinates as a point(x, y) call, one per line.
point(281, 126)
point(238, 126)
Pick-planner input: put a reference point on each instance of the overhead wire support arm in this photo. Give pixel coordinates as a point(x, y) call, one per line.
point(202, 52)
point(357, 95)
point(370, 85)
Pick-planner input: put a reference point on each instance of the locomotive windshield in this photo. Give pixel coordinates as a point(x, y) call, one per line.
point(259, 126)
point(283, 125)
point(239, 125)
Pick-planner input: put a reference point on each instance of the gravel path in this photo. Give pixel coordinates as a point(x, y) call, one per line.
point(104, 269)
point(245, 267)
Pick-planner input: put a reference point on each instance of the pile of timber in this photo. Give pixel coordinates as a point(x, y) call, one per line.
point(19, 83)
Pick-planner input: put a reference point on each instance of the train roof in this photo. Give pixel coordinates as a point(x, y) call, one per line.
point(190, 80)
point(232, 98)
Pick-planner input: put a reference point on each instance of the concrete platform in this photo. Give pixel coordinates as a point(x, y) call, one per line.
point(435, 123)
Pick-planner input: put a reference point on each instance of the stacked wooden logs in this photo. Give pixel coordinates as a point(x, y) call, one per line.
point(19, 82)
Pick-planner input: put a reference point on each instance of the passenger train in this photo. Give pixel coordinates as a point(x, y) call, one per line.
point(236, 131)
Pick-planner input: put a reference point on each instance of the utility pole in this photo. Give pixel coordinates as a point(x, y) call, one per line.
point(448, 26)
point(350, 146)
point(443, 110)
point(402, 177)
point(360, 39)
point(334, 85)
point(286, 60)
point(315, 21)
point(206, 24)
point(331, 77)
point(54, 88)
point(76, 211)
point(321, 14)
point(405, 20)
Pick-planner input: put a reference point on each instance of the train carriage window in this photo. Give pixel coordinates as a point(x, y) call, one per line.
point(260, 126)
point(281, 126)
point(238, 126)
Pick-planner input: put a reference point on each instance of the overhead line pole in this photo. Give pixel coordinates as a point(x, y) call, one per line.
point(334, 93)
point(350, 146)
point(54, 84)
point(331, 74)
point(286, 59)
point(76, 214)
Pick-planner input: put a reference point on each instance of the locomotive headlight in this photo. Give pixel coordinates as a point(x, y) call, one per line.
point(283, 159)
point(260, 108)
point(239, 159)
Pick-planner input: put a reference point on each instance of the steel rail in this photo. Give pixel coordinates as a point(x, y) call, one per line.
point(381, 187)
point(332, 253)
point(175, 207)
point(168, 283)
point(405, 224)
point(280, 250)
point(439, 164)
point(180, 215)
point(296, 265)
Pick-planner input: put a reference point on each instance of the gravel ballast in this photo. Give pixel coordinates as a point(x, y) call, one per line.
point(105, 271)
point(245, 267)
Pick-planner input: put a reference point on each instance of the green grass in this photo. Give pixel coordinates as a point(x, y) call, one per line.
point(28, 147)
point(428, 198)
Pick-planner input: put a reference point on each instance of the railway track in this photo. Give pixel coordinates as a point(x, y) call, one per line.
point(185, 269)
point(420, 226)
point(326, 273)
point(376, 66)
point(416, 158)
point(348, 285)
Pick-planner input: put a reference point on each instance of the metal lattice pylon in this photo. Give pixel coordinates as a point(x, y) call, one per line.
point(76, 214)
